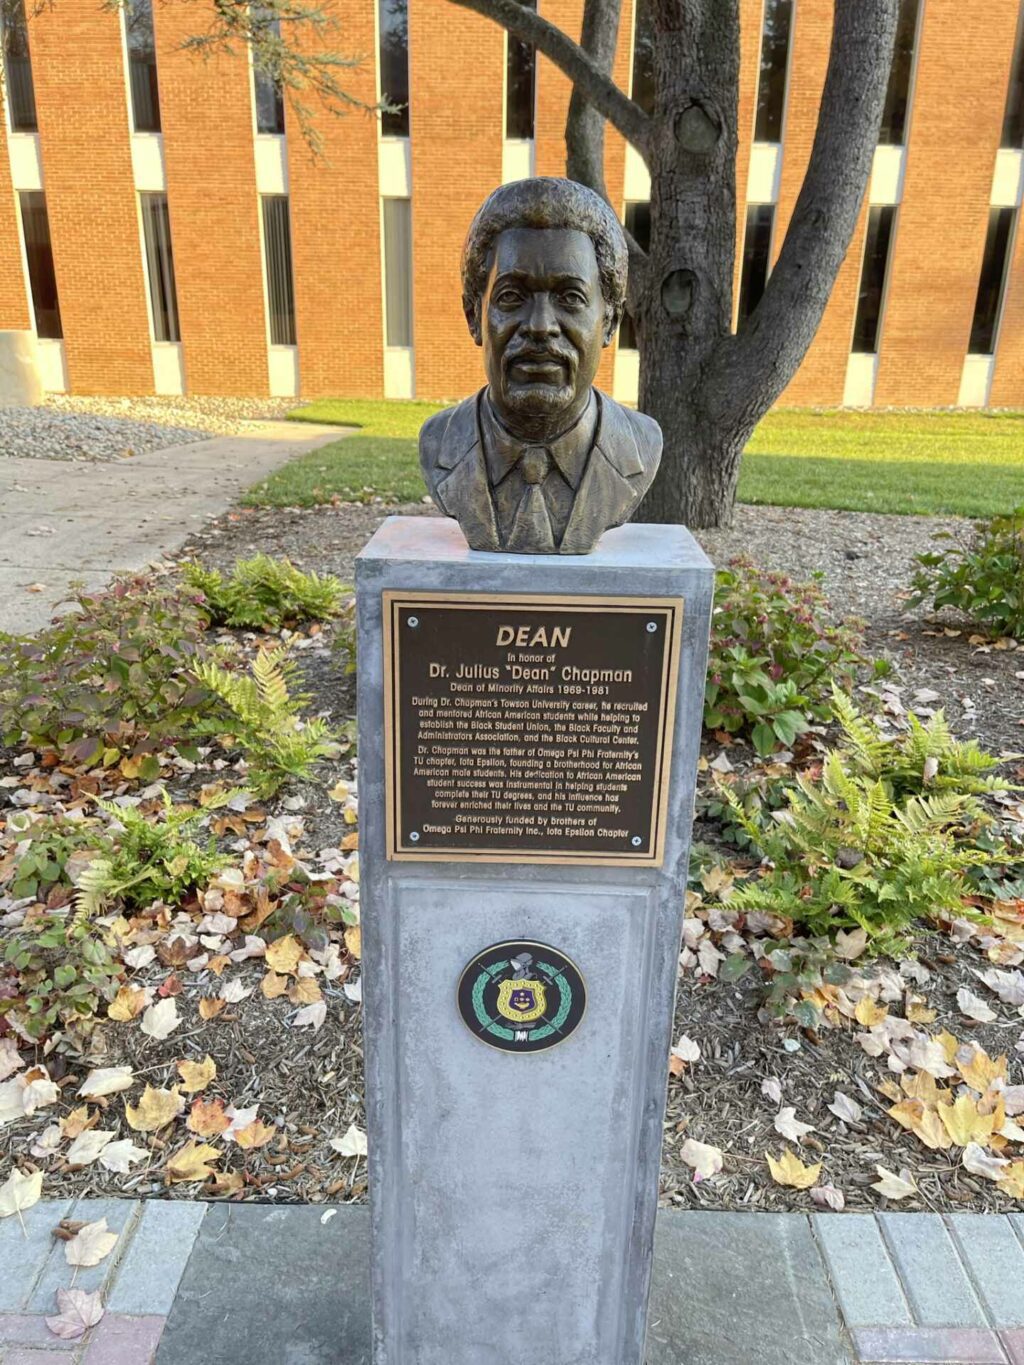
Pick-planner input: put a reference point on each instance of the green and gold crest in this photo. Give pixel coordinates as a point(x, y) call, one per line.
point(521, 1001)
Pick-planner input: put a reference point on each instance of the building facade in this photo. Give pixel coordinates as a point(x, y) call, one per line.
point(165, 228)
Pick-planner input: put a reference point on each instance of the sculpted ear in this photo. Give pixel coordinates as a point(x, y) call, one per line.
point(471, 309)
point(612, 318)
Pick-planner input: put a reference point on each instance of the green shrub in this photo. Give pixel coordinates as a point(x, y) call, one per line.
point(265, 721)
point(43, 846)
point(774, 655)
point(58, 970)
point(846, 853)
point(110, 679)
point(984, 580)
point(265, 593)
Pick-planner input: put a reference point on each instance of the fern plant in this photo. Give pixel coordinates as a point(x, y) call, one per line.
point(846, 853)
point(265, 720)
point(265, 593)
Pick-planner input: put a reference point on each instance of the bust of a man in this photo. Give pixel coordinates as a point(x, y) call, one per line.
point(538, 461)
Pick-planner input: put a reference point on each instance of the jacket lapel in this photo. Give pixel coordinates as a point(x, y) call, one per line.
point(605, 484)
point(464, 491)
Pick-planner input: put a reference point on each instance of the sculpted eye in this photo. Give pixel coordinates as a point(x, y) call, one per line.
point(574, 297)
point(507, 298)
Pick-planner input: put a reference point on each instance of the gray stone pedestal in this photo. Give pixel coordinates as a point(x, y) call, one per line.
point(513, 1195)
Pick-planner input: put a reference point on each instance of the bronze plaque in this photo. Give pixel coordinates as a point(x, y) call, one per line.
point(527, 729)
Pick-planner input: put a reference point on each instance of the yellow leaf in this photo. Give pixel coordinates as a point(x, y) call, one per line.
point(210, 1008)
point(981, 1070)
point(924, 1123)
point(285, 954)
point(197, 1076)
point(950, 1046)
point(77, 1121)
point(919, 1013)
point(257, 1134)
point(305, 992)
point(207, 1118)
point(339, 792)
point(1012, 1182)
point(227, 1182)
point(273, 985)
point(790, 1170)
point(154, 1110)
point(964, 1124)
point(350, 841)
point(919, 1085)
point(354, 941)
point(869, 1012)
point(889, 1089)
point(127, 1004)
point(218, 963)
point(191, 1163)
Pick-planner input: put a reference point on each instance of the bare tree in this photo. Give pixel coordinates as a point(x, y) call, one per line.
point(707, 387)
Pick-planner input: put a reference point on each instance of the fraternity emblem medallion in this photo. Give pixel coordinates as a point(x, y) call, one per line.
point(522, 997)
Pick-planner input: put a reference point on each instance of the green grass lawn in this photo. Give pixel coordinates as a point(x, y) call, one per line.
point(912, 462)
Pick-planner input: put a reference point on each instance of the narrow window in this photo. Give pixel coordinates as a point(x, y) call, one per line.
point(757, 246)
point(771, 85)
point(1013, 120)
point(642, 88)
point(398, 271)
point(992, 282)
point(138, 21)
point(894, 116)
point(394, 66)
point(21, 99)
point(520, 78)
point(872, 278)
point(638, 225)
point(39, 253)
point(277, 245)
point(156, 231)
point(266, 86)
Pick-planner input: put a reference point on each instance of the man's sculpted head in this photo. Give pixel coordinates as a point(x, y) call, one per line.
point(543, 286)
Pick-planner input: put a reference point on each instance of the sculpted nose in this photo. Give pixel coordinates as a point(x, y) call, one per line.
point(541, 320)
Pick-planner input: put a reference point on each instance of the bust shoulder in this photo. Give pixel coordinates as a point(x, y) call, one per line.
point(647, 435)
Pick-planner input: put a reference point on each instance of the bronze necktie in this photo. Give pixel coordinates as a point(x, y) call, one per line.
point(531, 530)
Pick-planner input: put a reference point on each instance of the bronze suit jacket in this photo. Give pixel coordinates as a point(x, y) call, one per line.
point(622, 463)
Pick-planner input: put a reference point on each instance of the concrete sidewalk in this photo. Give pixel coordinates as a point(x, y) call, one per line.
point(64, 521)
point(252, 1284)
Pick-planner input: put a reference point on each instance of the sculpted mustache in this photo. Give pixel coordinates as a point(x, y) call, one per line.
point(561, 357)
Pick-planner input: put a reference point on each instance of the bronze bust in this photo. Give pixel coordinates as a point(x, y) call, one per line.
point(538, 461)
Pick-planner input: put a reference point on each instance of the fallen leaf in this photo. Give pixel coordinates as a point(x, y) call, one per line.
point(161, 1019)
point(1009, 986)
point(78, 1311)
point(1012, 1181)
point(686, 1049)
point(234, 991)
point(47, 1142)
point(39, 1090)
point(284, 955)
point(868, 1012)
point(772, 1090)
point(306, 991)
point(191, 1163)
point(702, 1157)
point(128, 1003)
point(828, 1197)
point(354, 941)
point(311, 1015)
point(924, 1123)
point(353, 1143)
point(10, 1058)
point(974, 1007)
point(964, 1123)
point(90, 1244)
point(950, 1045)
point(979, 1070)
point(891, 1186)
point(928, 1054)
point(106, 1080)
point(78, 1121)
point(88, 1145)
point(789, 1126)
point(120, 1157)
point(196, 1076)
point(210, 1008)
point(850, 945)
point(207, 1118)
point(846, 1108)
point(257, 1134)
point(154, 1110)
point(20, 1192)
point(790, 1170)
point(273, 985)
point(979, 1162)
point(226, 1182)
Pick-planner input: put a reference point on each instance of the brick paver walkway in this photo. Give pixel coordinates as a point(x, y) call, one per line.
point(219, 1284)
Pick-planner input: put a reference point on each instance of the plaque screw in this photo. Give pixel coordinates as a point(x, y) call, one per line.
point(414, 837)
point(414, 621)
point(636, 841)
point(652, 626)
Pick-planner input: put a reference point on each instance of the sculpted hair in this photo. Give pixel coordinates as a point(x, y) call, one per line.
point(545, 202)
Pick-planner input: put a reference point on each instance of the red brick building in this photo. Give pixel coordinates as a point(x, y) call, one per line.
point(164, 227)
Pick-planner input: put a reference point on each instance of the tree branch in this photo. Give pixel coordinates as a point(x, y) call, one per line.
point(584, 127)
point(584, 72)
point(750, 370)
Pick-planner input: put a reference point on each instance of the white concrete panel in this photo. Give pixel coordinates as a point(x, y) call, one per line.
point(975, 381)
point(399, 372)
point(148, 162)
point(1008, 178)
point(764, 172)
point(271, 163)
point(887, 175)
point(859, 390)
point(394, 167)
point(626, 376)
point(26, 161)
point(20, 386)
point(53, 371)
point(516, 159)
point(637, 183)
point(168, 367)
point(284, 371)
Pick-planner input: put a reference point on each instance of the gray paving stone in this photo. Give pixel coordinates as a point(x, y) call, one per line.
point(935, 1282)
point(995, 1259)
point(149, 1273)
point(928, 1345)
point(733, 1288)
point(862, 1271)
point(273, 1284)
point(1017, 1219)
point(121, 1215)
point(23, 1255)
